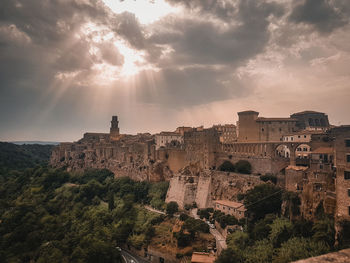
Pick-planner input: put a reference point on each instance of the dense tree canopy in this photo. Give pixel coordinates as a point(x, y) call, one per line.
point(49, 215)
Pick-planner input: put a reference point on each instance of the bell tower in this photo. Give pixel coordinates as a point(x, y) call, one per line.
point(114, 131)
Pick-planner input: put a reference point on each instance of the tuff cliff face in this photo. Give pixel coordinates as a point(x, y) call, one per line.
point(192, 184)
point(132, 156)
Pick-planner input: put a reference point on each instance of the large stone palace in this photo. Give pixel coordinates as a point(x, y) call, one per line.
point(307, 154)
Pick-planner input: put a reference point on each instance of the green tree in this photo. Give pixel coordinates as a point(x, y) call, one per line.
point(261, 252)
point(298, 248)
point(281, 231)
point(227, 166)
point(171, 208)
point(111, 204)
point(324, 231)
point(262, 200)
point(243, 167)
point(229, 256)
point(238, 240)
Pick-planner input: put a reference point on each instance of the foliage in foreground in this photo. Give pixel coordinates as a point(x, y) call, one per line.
point(49, 215)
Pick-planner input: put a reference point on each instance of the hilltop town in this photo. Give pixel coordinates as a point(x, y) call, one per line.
point(302, 153)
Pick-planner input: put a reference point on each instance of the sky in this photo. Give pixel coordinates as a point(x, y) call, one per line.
point(67, 66)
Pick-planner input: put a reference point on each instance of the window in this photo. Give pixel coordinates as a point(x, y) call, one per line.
point(347, 143)
point(349, 210)
point(298, 136)
point(291, 138)
point(349, 192)
point(262, 129)
point(348, 158)
point(304, 136)
point(346, 175)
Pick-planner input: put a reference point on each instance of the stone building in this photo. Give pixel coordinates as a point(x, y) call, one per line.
point(311, 120)
point(201, 146)
point(227, 133)
point(165, 139)
point(258, 129)
point(342, 166)
point(235, 209)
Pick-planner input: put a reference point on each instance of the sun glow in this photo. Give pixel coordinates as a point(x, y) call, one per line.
point(147, 11)
point(133, 59)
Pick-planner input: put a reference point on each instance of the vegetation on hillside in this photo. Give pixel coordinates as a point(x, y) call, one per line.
point(19, 157)
point(273, 235)
point(242, 166)
point(49, 215)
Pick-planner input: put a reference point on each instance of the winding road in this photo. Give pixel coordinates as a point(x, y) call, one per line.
point(131, 258)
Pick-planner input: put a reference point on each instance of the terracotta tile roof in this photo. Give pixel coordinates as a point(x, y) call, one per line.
point(233, 204)
point(201, 257)
point(297, 168)
point(324, 150)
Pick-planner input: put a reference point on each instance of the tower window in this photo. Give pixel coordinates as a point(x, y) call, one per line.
point(346, 175)
point(347, 143)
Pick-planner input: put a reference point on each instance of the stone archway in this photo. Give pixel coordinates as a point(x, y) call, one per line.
point(302, 154)
point(282, 151)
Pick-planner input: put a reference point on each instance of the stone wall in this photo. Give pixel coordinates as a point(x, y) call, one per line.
point(205, 186)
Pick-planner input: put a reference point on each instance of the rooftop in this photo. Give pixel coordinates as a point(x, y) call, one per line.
point(324, 150)
point(307, 112)
point(248, 112)
point(169, 133)
point(297, 168)
point(231, 204)
point(275, 119)
point(202, 257)
point(342, 256)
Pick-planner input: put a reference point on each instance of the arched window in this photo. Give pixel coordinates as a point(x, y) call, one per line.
point(317, 122)
point(311, 122)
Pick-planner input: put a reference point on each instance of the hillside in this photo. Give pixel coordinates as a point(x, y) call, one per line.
point(19, 157)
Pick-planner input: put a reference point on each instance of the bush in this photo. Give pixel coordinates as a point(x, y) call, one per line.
point(183, 217)
point(243, 167)
point(171, 208)
point(227, 166)
point(269, 177)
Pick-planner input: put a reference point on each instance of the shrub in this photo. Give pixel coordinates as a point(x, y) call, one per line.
point(227, 166)
point(243, 167)
point(269, 177)
point(171, 208)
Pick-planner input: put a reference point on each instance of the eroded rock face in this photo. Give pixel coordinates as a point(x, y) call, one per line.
point(132, 156)
point(193, 184)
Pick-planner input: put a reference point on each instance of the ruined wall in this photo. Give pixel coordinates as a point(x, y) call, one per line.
point(205, 186)
point(294, 178)
point(174, 157)
point(132, 156)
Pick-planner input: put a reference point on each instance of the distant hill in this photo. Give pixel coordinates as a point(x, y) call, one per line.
point(13, 156)
point(35, 142)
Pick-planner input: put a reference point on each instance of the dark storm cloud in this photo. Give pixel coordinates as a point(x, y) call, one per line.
point(50, 21)
point(201, 41)
point(324, 15)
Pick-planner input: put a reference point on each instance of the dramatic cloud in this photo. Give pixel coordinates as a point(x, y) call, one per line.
point(68, 65)
point(323, 14)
